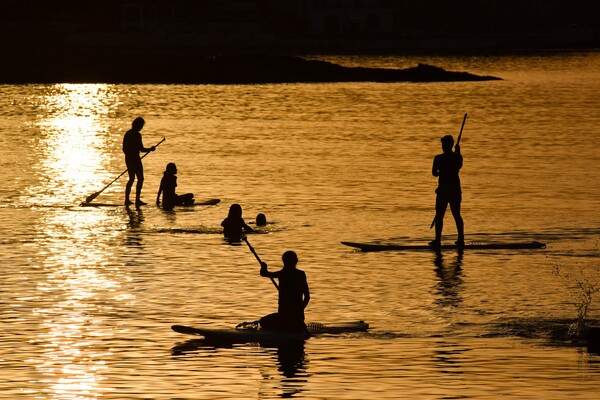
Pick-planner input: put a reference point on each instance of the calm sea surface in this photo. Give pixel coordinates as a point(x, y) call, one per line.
point(88, 295)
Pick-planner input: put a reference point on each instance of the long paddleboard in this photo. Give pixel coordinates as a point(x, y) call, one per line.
point(250, 335)
point(468, 246)
point(209, 202)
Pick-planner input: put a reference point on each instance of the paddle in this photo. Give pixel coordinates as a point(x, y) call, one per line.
point(92, 196)
point(457, 143)
point(245, 239)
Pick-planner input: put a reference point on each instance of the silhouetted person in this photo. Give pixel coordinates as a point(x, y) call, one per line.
point(234, 225)
point(446, 167)
point(294, 296)
point(261, 220)
point(168, 183)
point(132, 146)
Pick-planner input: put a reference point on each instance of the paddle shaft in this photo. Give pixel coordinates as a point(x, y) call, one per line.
point(457, 143)
point(96, 194)
point(259, 260)
point(461, 130)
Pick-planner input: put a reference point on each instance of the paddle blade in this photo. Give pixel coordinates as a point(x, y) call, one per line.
point(188, 330)
point(91, 197)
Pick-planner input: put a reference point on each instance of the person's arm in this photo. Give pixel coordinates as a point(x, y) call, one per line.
point(246, 227)
point(265, 272)
point(435, 170)
point(306, 293)
point(160, 190)
point(459, 156)
point(141, 145)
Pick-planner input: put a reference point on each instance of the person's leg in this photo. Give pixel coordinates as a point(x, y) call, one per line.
point(128, 186)
point(185, 199)
point(441, 203)
point(139, 186)
point(460, 226)
point(271, 322)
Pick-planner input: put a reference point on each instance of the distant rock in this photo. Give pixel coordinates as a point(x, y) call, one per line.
point(241, 69)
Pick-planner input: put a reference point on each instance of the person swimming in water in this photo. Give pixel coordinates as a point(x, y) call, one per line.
point(234, 225)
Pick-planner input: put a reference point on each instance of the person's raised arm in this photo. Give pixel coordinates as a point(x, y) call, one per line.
point(265, 272)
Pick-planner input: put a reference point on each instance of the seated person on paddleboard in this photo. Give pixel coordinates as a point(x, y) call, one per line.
point(446, 167)
point(294, 296)
point(234, 225)
point(168, 183)
point(132, 146)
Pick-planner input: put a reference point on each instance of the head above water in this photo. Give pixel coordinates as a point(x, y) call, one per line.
point(138, 123)
point(235, 211)
point(290, 258)
point(171, 168)
point(261, 220)
point(447, 143)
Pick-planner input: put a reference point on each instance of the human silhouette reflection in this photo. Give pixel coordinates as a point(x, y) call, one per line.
point(449, 278)
point(290, 359)
point(136, 218)
point(234, 225)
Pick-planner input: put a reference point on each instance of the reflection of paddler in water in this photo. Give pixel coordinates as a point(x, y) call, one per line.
point(132, 146)
point(446, 167)
point(168, 183)
point(449, 278)
point(234, 225)
point(294, 296)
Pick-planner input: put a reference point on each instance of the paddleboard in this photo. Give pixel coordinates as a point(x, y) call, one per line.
point(209, 202)
point(253, 335)
point(468, 246)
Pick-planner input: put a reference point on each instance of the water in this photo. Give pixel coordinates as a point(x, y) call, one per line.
point(89, 294)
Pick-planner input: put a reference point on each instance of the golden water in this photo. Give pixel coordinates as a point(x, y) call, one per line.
point(88, 295)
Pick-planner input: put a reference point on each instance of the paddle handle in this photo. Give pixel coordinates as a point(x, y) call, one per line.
point(258, 259)
point(461, 130)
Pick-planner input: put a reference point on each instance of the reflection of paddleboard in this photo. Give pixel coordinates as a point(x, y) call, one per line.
point(209, 202)
point(467, 246)
point(101, 205)
point(253, 335)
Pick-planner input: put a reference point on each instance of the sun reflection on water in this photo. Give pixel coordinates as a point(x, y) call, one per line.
point(74, 142)
point(82, 284)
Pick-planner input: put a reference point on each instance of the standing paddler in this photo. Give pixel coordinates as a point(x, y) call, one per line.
point(446, 167)
point(132, 146)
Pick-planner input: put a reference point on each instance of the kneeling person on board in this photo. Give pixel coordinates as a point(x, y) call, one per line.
point(293, 296)
point(168, 183)
point(446, 167)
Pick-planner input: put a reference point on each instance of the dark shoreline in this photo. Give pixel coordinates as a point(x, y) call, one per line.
point(231, 69)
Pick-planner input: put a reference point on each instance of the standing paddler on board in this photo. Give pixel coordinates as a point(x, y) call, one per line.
point(132, 147)
point(446, 167)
